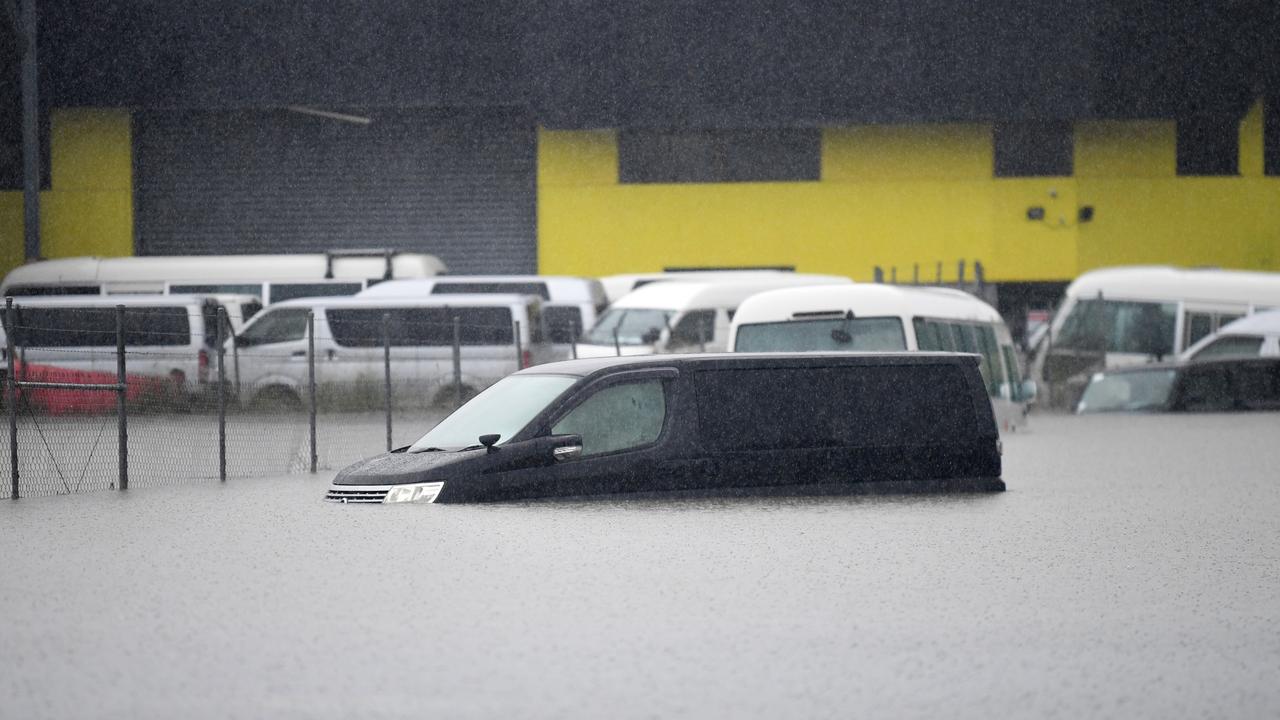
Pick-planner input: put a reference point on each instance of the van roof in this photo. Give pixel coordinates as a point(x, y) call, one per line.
point(865, 300)
point(589, 366)
point(679, 294)
point(217, 268)
point(616, 286)
point(561, 288)
point(1162, 282)
point(475, 300)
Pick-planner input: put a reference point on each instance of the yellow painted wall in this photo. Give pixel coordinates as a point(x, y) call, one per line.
point(900, 195)
point(89, 208)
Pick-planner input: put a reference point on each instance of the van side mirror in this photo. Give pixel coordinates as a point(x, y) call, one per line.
point(651, 336)
point(488, 441)
point(1027, 391)
point(566, 447)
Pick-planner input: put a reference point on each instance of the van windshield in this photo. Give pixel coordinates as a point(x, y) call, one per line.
point(631, 325)
point(1119, 326)
point(834, 334)
point(503, 408)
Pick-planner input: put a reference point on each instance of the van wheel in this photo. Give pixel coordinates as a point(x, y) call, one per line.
point(276, 399)
point(448, 396)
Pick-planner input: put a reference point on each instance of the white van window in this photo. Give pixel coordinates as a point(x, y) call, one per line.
point(418, 326)
point(212, 289)
point(838, 334)
point(696, 328)
point(1231, 346)
point(293, 291)
point(1120, 326)
point(96, 326)
point(631, 325)
point(515, 288)
point(52, 290)
point(276, 326)
point(619, 417)
point(564, 322)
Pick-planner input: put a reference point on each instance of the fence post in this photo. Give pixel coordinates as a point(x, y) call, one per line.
point(11, 398)
point(222, 394)
point(915, 274)
point(939, 280)
point(877, 274)
point(386, 371)
point(311, 382)
point(893, 275)
point(235, 363)
point(457, 360)
point(122, 408)
point(960, 273)
point(519, 350)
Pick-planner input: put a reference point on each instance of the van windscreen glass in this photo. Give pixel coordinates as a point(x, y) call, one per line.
point(96, 326)
point(1120, 327)
point(831, 334)
point(865, 406)
point(503, 408)
point(418, 326)
point(489, 288)
point(630, 326)
point(275, 326)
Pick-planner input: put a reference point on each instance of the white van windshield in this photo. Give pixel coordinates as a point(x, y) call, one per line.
point(631, 325)
point(503, 408)
point(1119, 326)
point(833, 334)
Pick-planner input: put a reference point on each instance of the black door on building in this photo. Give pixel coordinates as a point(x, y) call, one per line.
point(457, 184)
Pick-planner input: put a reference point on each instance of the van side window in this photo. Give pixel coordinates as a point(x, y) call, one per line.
point(1205, 389)
point(210, 289)
point(769, 409)
point(52, 290)
point(990, 358)
point(292, 291)
point(619, 417)
point(694, 329)
point(1258, 385)
point(1231, 345)
point(564, 322)
point(1015, 374)
point(276, 326)
point(429, 326)
point(96, 326)
point(933, 335)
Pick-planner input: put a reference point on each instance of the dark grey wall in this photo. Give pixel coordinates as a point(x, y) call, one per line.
point(584, 63)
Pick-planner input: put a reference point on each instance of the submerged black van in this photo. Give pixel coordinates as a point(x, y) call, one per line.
point(662, 423)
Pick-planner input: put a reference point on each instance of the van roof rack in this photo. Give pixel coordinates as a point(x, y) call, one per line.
point(386, 253)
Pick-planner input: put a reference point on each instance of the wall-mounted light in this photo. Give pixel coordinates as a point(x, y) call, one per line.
point(1085, 214)
point(1035, 212)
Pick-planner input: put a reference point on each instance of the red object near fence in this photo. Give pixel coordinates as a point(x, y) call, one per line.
point(59, 401)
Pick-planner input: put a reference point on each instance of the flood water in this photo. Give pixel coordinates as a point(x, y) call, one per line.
point(1131, 570)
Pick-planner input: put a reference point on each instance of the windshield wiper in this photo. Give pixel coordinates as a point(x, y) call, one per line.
point(430, 449)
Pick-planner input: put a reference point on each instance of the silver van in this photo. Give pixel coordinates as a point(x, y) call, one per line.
point(350, 334)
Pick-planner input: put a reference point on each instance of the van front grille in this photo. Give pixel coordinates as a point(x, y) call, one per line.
point(357, 493)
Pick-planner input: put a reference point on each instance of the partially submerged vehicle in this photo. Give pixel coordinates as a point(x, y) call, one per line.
point(866, 317)
point(1238, 384)
point(1256, 335)
point(838, 422)
point(1134, 315)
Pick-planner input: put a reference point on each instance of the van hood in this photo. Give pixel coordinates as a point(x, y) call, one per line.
point(406, 467)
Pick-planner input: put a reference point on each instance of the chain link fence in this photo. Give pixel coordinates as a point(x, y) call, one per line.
point(177, 410)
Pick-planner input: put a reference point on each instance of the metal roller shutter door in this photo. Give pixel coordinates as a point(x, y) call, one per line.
point(460, 185)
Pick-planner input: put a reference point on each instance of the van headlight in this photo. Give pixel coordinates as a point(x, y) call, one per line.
point(419, 492)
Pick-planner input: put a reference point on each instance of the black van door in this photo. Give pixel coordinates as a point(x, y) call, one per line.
point(625, 422)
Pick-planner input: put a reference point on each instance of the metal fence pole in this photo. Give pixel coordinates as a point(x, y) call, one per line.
point(122, 408)
point(235, 364)
point(457, 359)
point(11, 397)
point(386, 371)
point(311, 382)
point(519, 350)
point(222, 394)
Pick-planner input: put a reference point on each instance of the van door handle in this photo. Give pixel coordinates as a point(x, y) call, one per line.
point(298, 353)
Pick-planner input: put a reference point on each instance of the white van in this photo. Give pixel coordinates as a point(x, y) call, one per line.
point(677, 316)
point(173, 336)
point(570, 305)
point(349, 346)
point(617, 286)
point(273, 278)
point(1256, 335)
point(1131, 315)
point(888, 318)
